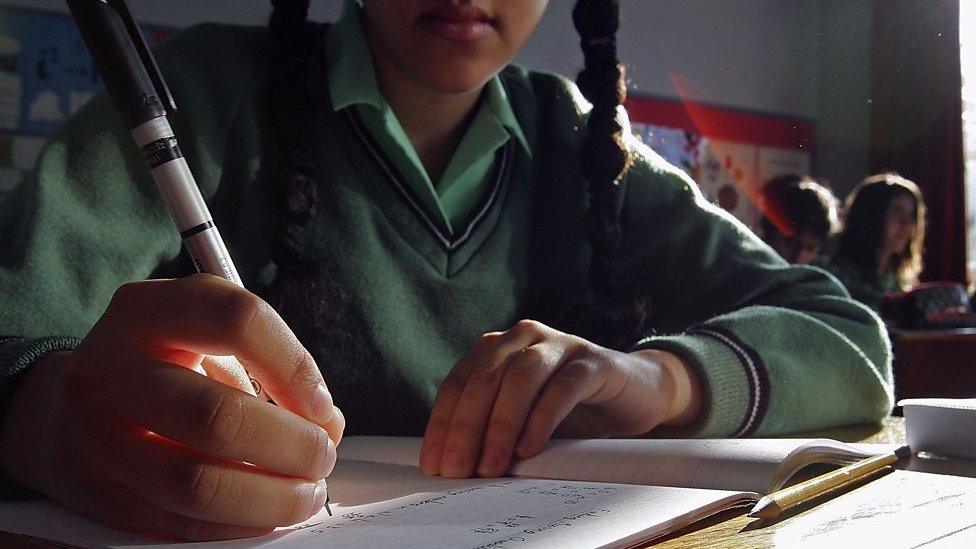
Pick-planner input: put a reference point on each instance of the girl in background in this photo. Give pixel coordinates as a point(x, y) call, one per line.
point(462, 249)
point(880, 249)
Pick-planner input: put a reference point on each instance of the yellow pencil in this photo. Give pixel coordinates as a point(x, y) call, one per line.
point(772, 505)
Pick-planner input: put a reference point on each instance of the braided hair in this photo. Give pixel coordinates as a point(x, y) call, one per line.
point(302, 291)
point(608, 316)
point(293, 187)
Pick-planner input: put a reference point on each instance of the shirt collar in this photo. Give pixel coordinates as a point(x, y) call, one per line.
point(352, 76)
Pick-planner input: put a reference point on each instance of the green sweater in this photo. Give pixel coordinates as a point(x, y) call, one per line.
point(779, 348)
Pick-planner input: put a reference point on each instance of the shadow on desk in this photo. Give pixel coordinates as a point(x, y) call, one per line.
point(939, 466)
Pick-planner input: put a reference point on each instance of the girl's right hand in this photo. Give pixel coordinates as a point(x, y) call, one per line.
point(123, 430)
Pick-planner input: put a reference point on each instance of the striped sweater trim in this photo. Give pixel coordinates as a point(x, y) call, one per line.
point(445, 240)
point(756, 373)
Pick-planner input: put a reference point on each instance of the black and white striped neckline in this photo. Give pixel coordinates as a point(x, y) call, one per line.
point(447, 241)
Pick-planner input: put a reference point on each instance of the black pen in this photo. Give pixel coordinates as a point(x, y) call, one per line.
point(140, 95)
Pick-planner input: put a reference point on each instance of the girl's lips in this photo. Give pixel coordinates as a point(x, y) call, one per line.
point(460, 23)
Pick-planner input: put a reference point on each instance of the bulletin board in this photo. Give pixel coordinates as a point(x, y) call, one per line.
point(46, 75)
point(730, 153)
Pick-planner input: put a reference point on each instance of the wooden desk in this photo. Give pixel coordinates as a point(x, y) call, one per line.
point(883, 497)
point(934, 363)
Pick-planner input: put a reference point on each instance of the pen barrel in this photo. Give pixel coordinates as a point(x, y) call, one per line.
point(209, 255)
point(118, 62)
point(182, 195)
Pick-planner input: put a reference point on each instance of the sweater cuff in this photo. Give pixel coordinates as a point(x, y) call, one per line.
point(732, 375)
point(17, 355)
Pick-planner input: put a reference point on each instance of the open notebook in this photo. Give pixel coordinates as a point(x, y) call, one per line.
point(580, 493)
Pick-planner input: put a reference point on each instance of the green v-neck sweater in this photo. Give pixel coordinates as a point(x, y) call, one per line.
point(778, 347)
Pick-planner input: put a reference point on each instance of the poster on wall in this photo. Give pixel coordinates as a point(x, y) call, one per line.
point(774, 161)
point(728, 176)
point(729, 153)
point(46, 75)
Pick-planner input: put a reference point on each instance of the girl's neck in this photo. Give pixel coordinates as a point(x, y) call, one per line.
point(434, 121)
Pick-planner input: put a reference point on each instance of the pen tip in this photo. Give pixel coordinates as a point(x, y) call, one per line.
point(327, 508)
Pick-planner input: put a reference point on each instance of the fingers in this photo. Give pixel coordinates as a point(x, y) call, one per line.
point(208, 315)
point(526, 375)
point(573, 383)
point(120, 508)
point(218, 420)
point(460, 431)
point(187, 483)
point(507, 396)
point(229, 371)
point(446, 401)
point(337, 426)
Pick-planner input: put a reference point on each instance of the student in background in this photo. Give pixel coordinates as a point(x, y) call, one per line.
point(880, 250)
point(799, 217)
point(461, 248)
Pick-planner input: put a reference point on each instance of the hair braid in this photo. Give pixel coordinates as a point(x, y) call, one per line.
point(611, 318)
point(296, 291)
point(306, 291)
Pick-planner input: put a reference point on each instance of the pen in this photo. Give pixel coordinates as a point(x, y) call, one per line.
point(772, 505)
point(142, 98)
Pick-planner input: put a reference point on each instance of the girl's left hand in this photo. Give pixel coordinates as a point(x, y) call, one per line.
point(514, 389)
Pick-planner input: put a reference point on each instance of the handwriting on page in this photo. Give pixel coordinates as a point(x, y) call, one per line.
point(380, 505)
point(477, 513)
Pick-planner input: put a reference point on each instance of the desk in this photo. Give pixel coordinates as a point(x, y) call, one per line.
point(934, 363)
point(831, 517)
point(734, 529)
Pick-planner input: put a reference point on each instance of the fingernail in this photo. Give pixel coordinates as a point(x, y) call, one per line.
point(453, 462)
point(322, 404)
point(489, 463)
point(330, 458)
point(321, 495)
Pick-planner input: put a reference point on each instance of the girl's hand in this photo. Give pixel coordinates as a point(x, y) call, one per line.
point(514, 389)
point(122, 429)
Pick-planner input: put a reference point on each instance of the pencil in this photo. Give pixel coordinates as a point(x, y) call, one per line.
point(772, 505)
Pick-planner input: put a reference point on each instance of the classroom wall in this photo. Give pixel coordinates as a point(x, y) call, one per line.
point(843, 98)
point(808, 59)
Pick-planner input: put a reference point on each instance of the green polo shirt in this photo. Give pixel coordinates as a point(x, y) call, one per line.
point(452, 199)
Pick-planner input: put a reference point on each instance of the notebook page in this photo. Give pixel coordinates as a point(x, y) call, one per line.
point(900, 509)
point(380, 505)
point(725, 464)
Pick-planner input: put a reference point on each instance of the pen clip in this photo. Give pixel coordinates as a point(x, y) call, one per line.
point(145, 54)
